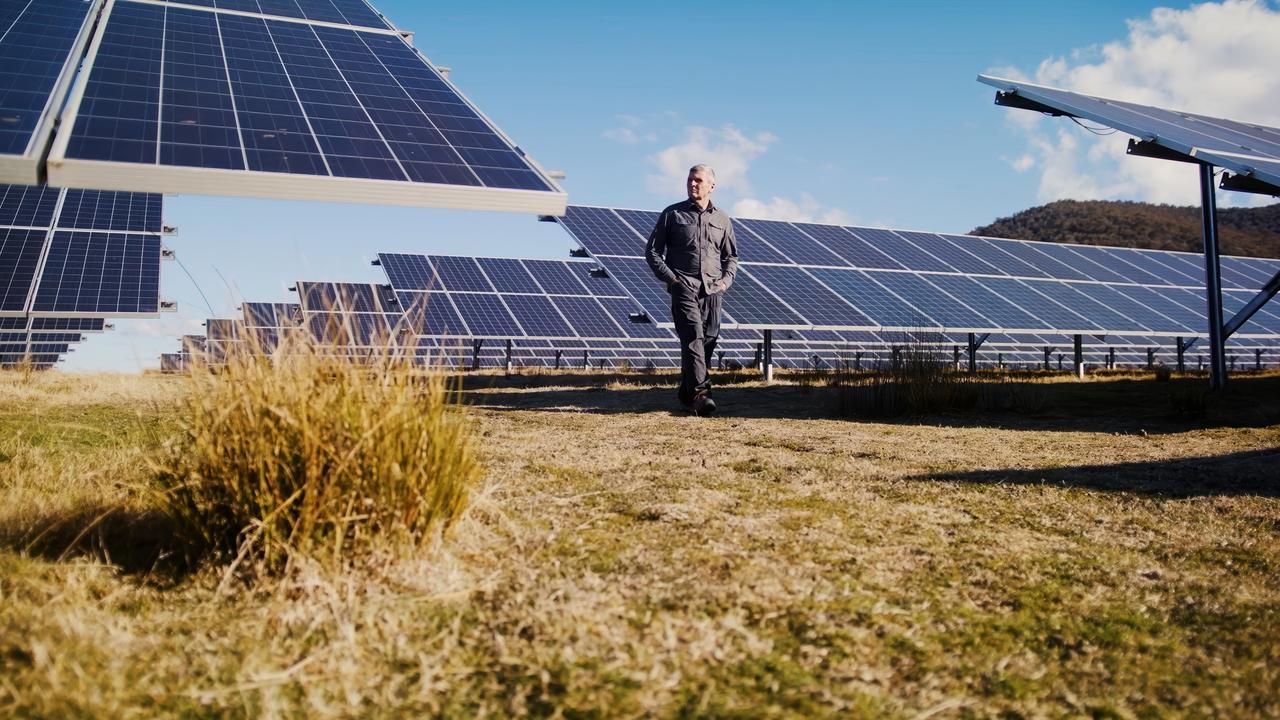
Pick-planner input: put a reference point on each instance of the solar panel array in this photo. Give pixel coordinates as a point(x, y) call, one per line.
point(1248, 149)
point(809, 276)
point(78, 254)
point(40, 43)
point(302, 99)
point(506, 298)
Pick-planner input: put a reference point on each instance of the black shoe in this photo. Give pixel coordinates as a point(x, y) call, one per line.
point(704, 406)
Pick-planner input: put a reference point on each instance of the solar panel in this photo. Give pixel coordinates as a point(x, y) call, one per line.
point(232, 98)
point(77, 253)
point(904, 281)
point(1248, 149)
point(40, 43)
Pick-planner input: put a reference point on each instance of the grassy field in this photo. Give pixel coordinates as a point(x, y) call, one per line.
point(1112, 551)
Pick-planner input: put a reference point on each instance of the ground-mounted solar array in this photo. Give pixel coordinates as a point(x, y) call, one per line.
point(40, 45)
point(299, 99)
point(78, 255)
point(807, 276)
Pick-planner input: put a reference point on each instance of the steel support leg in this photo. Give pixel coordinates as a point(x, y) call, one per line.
point(1213, 277)
point(768, 356)
point(475, 354)
point(1048, 358)
point(1257, 359)
point(1077, 360)
point(1182, 351)
point(559, 353)
point(508, 356)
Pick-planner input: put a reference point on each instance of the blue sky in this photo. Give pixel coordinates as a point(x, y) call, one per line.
point(863, 113)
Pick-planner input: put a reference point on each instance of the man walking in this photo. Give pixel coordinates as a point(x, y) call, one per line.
point(692, 250)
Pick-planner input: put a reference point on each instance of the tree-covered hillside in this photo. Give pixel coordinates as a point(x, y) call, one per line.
point(1243, 231)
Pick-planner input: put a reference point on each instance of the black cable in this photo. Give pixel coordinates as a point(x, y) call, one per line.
point(1094, 130)
point(207, 304)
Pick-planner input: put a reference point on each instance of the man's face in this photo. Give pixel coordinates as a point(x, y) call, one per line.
point(700, 184)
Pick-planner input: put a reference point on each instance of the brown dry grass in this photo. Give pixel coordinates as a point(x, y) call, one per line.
point(1109, 556)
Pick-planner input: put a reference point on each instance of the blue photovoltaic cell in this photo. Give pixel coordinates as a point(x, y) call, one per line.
point(852, 248)
point(795, 245)
point(79, 324)
point(343, 12)
point(930, 300)
point(555, 278)
point(106, 210)
point(409, 272)
point(816, 303)
point(587, 317)
point(317, 297)
point(1261, 322)
point(508, 275)
point(956, 258)
point(634, 275)
point(607, 233)
point(1111, 267)
point(1169, 265)
point(1030, 253)
point(100, 273)
point(287, 97)
point(1138, 266)
point(750, 304)
point(1235, 275)
point(752, 249)
point(1067, 295)
point(1084, 268)
point(358, 298)
point(996, 255)
point(537, 316)
point(1020, 293)
point(27, 205)
point(19, 256)
point(1000, 312)
point(597, 286)
point(485, 315)
point(882, 308)
point(642, 221)
point(905, 253)
point(460, 274)
point(36, 39)
point(620, 309)
point(1242, 268)
point(432, 314)
point(1111, 297)
point(1162, 302)
point(118, 118)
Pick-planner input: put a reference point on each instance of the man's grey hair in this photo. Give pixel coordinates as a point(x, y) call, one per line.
point(703, 168)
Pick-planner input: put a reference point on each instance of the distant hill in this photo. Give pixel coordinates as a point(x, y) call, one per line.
point(1251, 232)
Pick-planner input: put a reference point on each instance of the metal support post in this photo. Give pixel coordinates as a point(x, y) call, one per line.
point(1257, 359)
point(857, 361)
point(1151, 358)
point(1048, 358)
point(955, 357)
point(508, 363)
point(1000, 360)
point(1077, 361)
point(975, 342)
point(1199, 362)
point(1182, 351)
point(586, 359)
point(558, 354)
point(1213, 277)
point(1232, 360)
point(1111, 358)
point(768, 356)
point(896, 362)
point(1059, 361)
point(475, 354)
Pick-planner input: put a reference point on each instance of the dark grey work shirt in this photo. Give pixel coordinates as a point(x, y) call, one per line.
point(695, 245)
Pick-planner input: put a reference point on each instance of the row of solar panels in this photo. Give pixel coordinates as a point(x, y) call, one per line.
point(301, 99)
point(804, 275)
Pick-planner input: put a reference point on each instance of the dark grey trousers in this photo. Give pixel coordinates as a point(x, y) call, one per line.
point(697, 321)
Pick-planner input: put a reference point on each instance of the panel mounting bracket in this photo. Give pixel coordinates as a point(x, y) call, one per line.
point(1014, 100)
point(1146, 148)
point(1247, 183)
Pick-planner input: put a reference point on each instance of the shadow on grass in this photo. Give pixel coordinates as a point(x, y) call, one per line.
point(137, 541)
point(1124, 405)
point(1243, 473)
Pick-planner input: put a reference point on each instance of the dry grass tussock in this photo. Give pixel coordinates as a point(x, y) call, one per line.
point(305, 455)
point(622, 560)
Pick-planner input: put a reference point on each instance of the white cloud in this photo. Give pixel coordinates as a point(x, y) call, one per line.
point(805, 209)
point(732, 151)
point(729, 150)
point(1215, 59)
point(1022, 163)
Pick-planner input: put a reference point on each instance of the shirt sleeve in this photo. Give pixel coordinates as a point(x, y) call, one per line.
point(728, 259)
point(655, 251)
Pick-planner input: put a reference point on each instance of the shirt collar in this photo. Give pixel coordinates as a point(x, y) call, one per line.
point(711, 206)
